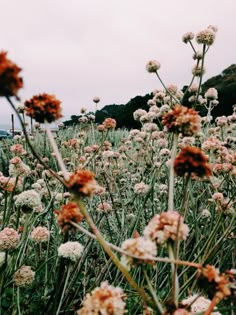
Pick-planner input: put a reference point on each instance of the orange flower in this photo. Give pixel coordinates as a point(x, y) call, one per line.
point(69, 212)
point(82, 182)
point(43, 107)
point(191, 160)
point(183, 120)
point(10, 82)
point(109, 123)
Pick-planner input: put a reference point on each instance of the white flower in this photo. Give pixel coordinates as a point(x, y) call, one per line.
point(71, 250)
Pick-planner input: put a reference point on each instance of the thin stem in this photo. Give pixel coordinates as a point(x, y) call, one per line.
point(18, 300)
point(64, 288)
point(211, 306)
point(56, 151)
point(201, 76)
point(171, 177)
point(175, 280)
point(167, 91)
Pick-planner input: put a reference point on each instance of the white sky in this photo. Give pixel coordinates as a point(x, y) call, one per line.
point(78, 49)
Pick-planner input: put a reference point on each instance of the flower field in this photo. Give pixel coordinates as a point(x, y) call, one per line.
point(106, 221)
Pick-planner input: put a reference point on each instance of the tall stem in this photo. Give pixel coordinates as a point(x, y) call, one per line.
point(64, 288)
point(201, 75)
point(172, 175)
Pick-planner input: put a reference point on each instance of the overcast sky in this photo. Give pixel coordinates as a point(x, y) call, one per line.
point(78, 49)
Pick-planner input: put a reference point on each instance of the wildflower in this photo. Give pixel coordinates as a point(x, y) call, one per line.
point(198, 70)
point(9, 239)
point(96, 99)
point(83, 182)
point(10, 82)
point(217, 196)
point(193, 88)
point(24, 276)
point(105, 300)
point(83, 119)
point(187, 37)
point(43, 107)
point(18, 168)
point(197, 55)
point(182, 311)
point(17, 149)
point(28, 201)
point(206, 37)
point(191, 160)
point(140, 247)
point(213, 282)
point(40, 234)
point(141, 188)
point(164, 227)
point(71, 250)
point(69, 212)
point(8, 183)
point(198, 304)
point(183, 120)
point(153, 66)
point(104, 207)
point(211, 94)
point(109, 123)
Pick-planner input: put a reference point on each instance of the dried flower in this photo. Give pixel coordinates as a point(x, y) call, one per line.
point(206, 37)
point(83, 182)
point(105, 300)
point(140, 247)
point(9, 239)
point(40, 234)
point(24, 276)
point(213, 282)
point(183, 120)
point(10, 82)
point(43, 107)
point(211, 94)
point(164, 227)
point(153, 66)
point(197, 70)
point(69, 212)
point(191, 160)
point(71, 250)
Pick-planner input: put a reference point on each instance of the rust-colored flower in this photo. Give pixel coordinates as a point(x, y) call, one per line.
point(43, 107)
point(213, 282)
point(69, 212)
point(10, 82)
point(191, 160)
point(109, 123)
point(82, 182)
point(183, 120)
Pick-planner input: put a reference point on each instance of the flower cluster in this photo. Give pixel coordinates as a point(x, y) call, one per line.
point(192, 161)
point(24, 276)
point(9, 239)
point(69, 212)
point(71, 250)
point(40, 234)
point(43, 108)
point(106, 300)
point(153, 66)
point(28, 201)
point(10, 82)
point(183, 120)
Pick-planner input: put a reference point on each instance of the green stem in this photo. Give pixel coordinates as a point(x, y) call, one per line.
point(64, 288)
point(171, 177)
point(18, 300)
point(201, 76)
point(175, 280)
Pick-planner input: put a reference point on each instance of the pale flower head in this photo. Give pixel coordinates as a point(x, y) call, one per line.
point(71, 250)
point(153, 66)
point(9, 239)
point(24, 276)
point(40, 234)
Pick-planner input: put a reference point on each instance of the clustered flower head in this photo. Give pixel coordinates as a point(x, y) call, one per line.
point(96, 99)
point(40, 234)
point(69, 212)
point(105, 300)
point(104, 207)
point(10, 82)
point(28, 201)
point(153, 66)
point(187, 37)
point(82, 182)
point(8, 183)
point(192, 161)
point(18, 168)
point(43, 108)
point(183, 120)
point(211, 94)
point(24, 276)
point(198, 304)
point(71, 250)
point(142, 248)
point(141, 188)
point(9, 239)
point(213, 282)
point(164, 227)
point(109, 123)
point(206, 37)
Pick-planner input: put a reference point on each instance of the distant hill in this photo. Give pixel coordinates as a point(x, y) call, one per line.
point(225, 83)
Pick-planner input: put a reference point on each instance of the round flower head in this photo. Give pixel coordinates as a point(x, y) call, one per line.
point(40, 234)
point(206, 37)
point(198, 71)
point(83, 182)
point(43, 108)
point(141, 188)
point(187, 37)
point(71, 250)
point(69, 212)
point(28, 201)
point(105, 300)
point(96, 99)
point(164, 227)
point(24, 276)
point(109, 123)
point(153, 66)
point(211, 94)
point(10, 82)
point(198, 304)
point(192, 161)
point(140, 247)
point(183, 120)
point(9, 239)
